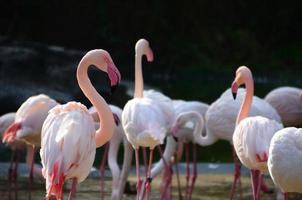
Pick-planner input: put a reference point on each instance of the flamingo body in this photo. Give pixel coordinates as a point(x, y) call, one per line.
point(221, 115)
point(252, 138)
point(284, 162)
point(288, 103)
point(67, 126)
point(144, 122)
point(29, 120)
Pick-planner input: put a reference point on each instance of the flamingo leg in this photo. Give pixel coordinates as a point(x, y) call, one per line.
point(149, 178)
point(145, 160)
point(265, 188)
point(102, 170)
point(15, 173)
point(256, 178)
point(10, 175)
point(139, 181)
point(285, 196)
point(188, 170)
point(194, 172)
point(31, 175)
point(177, 177)
point(237, 174)
point(73, 189)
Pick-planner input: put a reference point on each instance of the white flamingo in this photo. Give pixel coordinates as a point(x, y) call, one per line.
point(288, 103)
point(144, 119)
point(27, 127)
point(221, 119)
point(284, 160)
point(252, 135)
point(69, 138)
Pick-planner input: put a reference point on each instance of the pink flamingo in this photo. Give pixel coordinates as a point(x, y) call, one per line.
point(221, 120)
point(288, 103)
point(71, 125)
point(252, 135)
point(144, 119)
point(27, 127)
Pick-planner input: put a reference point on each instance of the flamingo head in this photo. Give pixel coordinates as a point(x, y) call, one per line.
point(243, 73)
point(142, 47)
point(11, 132)
point(113, 72)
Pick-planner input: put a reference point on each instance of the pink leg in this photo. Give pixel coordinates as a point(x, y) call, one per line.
point(139, 182)
point(145, 160)
point(194, 172)
point(149, 178)
point(177, 177)
point(31, 175)
point(237, 168)
point(188, 170)
point(15, 174)
point(73, 189)
point(256, 178)
point(102, 170)
point(285, 196)
point(265, 188)
point(10, 174)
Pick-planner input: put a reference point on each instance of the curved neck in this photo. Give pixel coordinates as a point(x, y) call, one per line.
point(247, 102)
point(104, 133)
point(198, 125)
point(139, 81)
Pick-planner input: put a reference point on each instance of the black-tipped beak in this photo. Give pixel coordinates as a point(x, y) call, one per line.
point(175, 138)
point(113, 88)
point(234, 95)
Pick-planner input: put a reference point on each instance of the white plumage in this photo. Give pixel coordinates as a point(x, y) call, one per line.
point(252, 138)
point(285, 159)
point(221, 115)
point(68, 145)
point(288, 103)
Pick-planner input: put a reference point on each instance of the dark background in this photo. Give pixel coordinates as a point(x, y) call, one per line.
point(197, 46)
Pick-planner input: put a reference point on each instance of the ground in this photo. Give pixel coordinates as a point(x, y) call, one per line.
point(208, 187)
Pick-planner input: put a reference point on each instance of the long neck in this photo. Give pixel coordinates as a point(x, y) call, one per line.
point(139, 81)
point(247, 102)
point(104, 133)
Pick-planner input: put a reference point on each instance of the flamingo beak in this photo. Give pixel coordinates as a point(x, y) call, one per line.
point(149, 55)
point(234, 89)
point(116, 119)
point(114, 76)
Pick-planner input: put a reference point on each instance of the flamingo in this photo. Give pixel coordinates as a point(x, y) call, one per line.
point(119, 177)
point(27, 127)
point(288, 103)
point(5, 121)
point(284, 160)
point(71, 125)
point(252, 135)
point(144, 119)
point(221, 120)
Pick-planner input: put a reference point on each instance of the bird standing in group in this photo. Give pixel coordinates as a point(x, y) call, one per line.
point(144, 119)
point(285, 160)
point(27, 127)
point(252, 135)
point(221, 120)
point(71, 125)
point(288, 103)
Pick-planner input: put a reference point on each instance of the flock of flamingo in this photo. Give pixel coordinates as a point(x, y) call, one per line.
point(69, 134)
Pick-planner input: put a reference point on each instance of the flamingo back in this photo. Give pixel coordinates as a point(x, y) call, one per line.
point(284, 162)
point(252, 138)
point(68, 143)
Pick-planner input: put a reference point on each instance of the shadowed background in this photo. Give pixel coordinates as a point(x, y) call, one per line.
point(197, 47)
